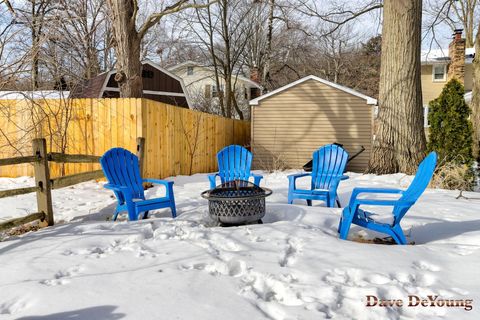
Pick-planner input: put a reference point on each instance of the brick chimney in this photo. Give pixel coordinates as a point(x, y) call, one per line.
point(254, 76)
point(456, 52)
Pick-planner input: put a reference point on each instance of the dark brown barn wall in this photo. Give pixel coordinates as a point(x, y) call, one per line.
point(159, 82)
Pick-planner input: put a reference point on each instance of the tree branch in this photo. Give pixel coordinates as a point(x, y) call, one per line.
point(180, 5)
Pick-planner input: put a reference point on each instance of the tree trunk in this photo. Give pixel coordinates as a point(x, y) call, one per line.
point(400, 142)
point(268, 54)
point(35, 59)
point(127, 48)
point(476, 98)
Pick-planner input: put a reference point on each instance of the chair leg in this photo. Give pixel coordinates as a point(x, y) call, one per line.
point(290, 198)
point(309, 203)
point(174, 209)
point(398, 235)
point(345, 223)
point(145, 215)
point(338, 203)
point(115, 215)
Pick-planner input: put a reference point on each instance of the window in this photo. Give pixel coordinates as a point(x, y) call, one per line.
point(426, 124)
point(439, 72)
point(147, 74)
point(215, 91)
point(189, 71)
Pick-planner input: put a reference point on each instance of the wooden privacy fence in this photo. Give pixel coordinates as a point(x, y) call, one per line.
point(178, 141)
point(44, 184)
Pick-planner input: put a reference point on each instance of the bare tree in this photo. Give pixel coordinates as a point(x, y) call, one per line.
point(128, 38)
point(34, 15)
point(79, 33)
point(456, 14)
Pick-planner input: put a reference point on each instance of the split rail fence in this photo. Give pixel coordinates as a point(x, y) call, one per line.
point(41, 161)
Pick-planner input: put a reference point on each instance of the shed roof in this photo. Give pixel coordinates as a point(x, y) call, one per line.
point(369, 100)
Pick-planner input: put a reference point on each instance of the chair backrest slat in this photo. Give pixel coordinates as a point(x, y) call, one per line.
point(329, 162)
point(422, 178)
point(234, 162)
point(121, 169)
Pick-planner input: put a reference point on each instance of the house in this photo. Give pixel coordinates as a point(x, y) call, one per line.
point(201, 85)
point(289, 123)
point(158, 84)
point(439, 66)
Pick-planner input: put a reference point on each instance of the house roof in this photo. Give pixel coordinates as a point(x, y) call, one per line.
point(198, 64)
point(39, 94)
point(369, 100)
point(441, 56)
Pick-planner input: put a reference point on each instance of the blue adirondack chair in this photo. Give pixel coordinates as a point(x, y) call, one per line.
point(329, 163)
point(234, 163)
point(121, 168)
point(353, 213)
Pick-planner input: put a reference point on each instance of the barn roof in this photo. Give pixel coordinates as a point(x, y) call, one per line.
point(95, 87)
point(369, 100)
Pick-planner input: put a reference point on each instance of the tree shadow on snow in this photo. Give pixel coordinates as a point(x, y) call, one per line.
point(442, 230)
point(100, 312)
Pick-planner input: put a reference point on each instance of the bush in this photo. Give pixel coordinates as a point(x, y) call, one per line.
point(450, 128)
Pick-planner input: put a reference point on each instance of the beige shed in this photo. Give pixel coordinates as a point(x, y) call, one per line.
point(289, 123)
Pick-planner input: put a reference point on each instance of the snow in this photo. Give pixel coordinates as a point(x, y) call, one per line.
point(45, 94)
point(291, 267)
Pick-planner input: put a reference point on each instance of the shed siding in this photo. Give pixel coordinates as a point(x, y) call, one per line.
point(290, 125)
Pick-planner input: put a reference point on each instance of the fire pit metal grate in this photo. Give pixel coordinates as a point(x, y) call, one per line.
point(237, 202)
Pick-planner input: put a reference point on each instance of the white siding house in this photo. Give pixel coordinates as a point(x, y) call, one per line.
point(200, 83)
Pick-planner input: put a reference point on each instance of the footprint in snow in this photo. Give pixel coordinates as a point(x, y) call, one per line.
point(426, 266)
point(232, 268)
point(294, 247)
point(62, 277)
point(13, 306)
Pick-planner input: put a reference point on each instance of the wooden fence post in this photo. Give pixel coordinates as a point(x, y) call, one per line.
point(141, 153)
point(42, 179)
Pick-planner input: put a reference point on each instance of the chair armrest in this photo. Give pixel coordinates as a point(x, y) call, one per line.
point(298, 175)
point(293, 177)
point(212, 178)
point(256, 178)
point(375, 202)
point(158, 181)
point(358, 191)
point(168, 185)
point(127, 194)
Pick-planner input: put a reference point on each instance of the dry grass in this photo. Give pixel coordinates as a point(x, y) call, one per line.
point(453, 176)
point(384, 241)
point(18, 231)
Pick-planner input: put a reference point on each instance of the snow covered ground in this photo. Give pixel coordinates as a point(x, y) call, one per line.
point(291, 267)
